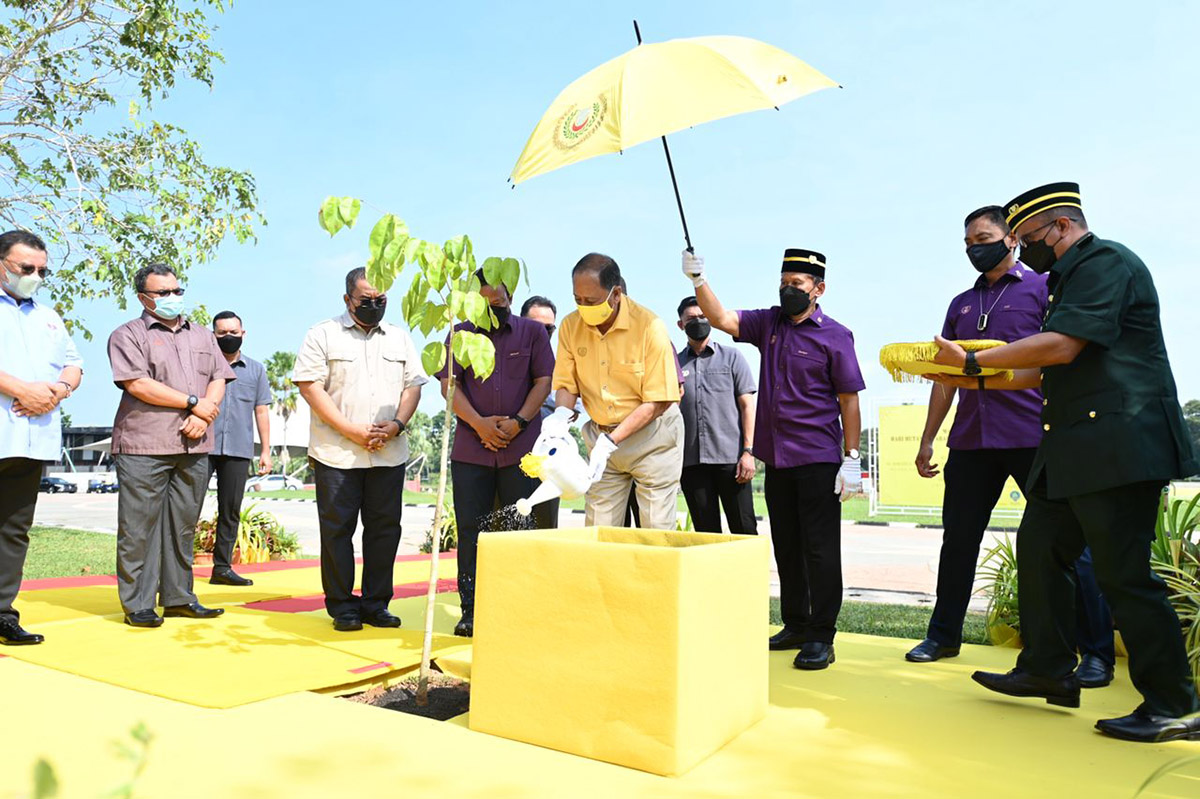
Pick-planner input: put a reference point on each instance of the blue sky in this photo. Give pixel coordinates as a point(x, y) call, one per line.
point(422, 109)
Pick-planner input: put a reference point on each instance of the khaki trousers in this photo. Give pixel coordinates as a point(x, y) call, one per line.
point(652, 459)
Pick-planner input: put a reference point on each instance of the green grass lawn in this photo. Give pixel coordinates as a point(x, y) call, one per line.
point(893, 621)
point(62, 552)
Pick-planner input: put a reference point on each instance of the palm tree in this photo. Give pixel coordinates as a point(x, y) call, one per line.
point(284, 393)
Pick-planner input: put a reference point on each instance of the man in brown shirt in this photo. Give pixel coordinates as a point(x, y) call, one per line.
point(173, 377)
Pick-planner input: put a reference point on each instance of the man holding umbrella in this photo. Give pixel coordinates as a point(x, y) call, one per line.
point(807, 433)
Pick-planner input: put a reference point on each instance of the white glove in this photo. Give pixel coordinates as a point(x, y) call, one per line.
point(603, 448)
point(557, 424)
point(693, 268)
point(849, 479)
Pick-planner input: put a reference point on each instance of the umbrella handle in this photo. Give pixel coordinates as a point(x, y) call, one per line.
point(670, 167)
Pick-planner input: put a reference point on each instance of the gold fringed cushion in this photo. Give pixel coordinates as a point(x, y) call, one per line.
point(907, 362)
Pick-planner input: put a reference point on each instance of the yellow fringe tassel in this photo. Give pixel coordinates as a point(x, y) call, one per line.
point(907, 362)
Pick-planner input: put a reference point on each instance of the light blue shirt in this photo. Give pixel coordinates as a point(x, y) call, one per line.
point(35, 347)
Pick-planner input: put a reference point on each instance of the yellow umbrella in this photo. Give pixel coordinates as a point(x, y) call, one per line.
point(660, 88)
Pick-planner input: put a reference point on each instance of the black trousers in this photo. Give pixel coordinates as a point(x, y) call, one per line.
point(343, 495)
point(478, 491)
point(231, 488)
point(708, 486)
point(1117, 524)
point(19, 481)
point(974, 480)
point(806, 533)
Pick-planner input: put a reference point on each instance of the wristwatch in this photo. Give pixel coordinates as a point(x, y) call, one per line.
point(193, 400)
point(853, 454)
point(970, 368)
point(401, 426)
point(747, 450)
point(521, 423)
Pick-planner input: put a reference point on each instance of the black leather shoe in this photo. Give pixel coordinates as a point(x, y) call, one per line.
point(12, 634)
point(1147, 728)
point(466, 626)
point(381, 618)
point(347, 623)
point(814, 655)
point(785, 639)
point(1093, 672)
point(930, 650)
point(143, 618)
point(229, 577)
point(192, 611)
point(1063, 692)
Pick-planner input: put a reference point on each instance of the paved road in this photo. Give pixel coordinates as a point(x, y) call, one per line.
point(892, 563)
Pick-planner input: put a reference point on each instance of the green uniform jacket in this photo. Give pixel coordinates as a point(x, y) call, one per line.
point(1111, 417)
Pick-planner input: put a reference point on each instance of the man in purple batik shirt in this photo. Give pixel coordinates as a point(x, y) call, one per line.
point(994, 436)
point(807, 434)
point(498, 423)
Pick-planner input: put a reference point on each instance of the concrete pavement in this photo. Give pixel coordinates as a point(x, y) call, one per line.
point(894, 563)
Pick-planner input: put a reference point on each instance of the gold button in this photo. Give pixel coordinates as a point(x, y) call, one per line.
point(1091, 414)
point(1045, 402)
point(1051, 298)
point(1046, 427)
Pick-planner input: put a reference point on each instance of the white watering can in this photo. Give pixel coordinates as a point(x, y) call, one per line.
point(555, 460)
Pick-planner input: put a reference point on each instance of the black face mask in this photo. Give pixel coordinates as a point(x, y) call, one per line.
point(229, 344)
point(794, 301)
point(697, 329)
point(370, 312)
point(501, 314)
point(986, 257)
point(1038, 256)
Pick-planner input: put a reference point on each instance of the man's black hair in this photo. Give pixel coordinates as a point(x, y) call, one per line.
point(14, 237)
point(538, 301)
point(226, 315)
point(688, 302)
point(139, 279)
point(603, 267)
point(992, 213)
point(352, 278)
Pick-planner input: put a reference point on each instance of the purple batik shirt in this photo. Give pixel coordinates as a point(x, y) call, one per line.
point(1015, 306)
point(802, 370)
point(523, 355)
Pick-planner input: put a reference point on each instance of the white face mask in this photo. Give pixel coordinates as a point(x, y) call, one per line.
point(24, 286)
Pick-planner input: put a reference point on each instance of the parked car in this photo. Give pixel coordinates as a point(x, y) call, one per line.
point(274, 482)
point(57, 485)
point(102, 486)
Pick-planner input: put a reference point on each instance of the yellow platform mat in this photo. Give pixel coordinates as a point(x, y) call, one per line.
point(870, 726)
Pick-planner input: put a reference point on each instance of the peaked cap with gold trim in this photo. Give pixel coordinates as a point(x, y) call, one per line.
point(1043, 198)
point(809, 262)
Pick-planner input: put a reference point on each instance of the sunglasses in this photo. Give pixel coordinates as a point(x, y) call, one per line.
point(550, 329)
point(164, 293)
point(29, 269)
point(372, 302)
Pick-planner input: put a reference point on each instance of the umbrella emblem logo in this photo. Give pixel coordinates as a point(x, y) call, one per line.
point(579, 123)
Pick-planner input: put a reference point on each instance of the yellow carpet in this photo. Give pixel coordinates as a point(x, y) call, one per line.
point(871, 726)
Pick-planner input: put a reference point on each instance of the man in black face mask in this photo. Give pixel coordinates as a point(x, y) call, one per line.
point(718, 428)
point(1113, 436)
point(362, 378)
point(994, 436)
point(247, 402)
point(807, 433)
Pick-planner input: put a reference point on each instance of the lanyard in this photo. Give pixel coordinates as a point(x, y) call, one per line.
point(985, 315)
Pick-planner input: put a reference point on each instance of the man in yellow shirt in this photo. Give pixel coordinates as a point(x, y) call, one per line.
point(617, 356)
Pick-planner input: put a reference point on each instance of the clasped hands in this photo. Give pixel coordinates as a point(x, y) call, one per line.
point(203, 414)
point(497, 432)
point(373, 437)
point(38, 399)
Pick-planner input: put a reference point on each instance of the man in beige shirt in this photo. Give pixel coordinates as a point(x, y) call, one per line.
point(362, 378)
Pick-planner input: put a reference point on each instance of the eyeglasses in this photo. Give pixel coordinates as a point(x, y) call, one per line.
point(29, 269)
point(372, 302)
point(550, 329)
point(164, 292)
point(1024, 240)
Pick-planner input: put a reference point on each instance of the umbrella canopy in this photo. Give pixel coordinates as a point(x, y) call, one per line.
point(661, 88)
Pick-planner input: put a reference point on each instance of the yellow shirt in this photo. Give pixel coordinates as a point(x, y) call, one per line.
point(614, 373)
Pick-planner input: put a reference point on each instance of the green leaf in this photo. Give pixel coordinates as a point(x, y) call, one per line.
point(330, 218)
point(413, 304)
point(435, 270)
point(492, 270)
point(434, 318)
point(454, 248)
point(482, 355)
point(433, 357)
point(391, 255)
point(476, 310)
point(459, 342)
point(45, 783)
point(411, 246)
point(348, 208)
point(381, 234)
point(456, 303)
point(510, 273)
point(379, 275)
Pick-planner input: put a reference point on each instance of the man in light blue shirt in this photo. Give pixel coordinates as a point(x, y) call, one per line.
point(39, 368)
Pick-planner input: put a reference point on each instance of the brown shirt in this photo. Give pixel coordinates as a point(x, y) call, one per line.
point(187, 360)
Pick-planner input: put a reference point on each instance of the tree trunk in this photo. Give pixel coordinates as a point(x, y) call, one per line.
point(436, 535)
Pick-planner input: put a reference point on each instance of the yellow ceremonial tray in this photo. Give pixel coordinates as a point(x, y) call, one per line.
point(908, 362)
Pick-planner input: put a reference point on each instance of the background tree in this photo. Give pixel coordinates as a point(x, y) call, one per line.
point(284, 394)
point(443, 293)
point(110, 200)
point(1191, 416)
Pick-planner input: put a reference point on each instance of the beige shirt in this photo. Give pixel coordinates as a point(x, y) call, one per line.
point(364, 374)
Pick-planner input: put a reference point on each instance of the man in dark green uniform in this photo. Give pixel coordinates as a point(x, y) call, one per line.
point(1114, 436)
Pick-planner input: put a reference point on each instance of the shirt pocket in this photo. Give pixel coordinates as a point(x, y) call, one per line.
point(341, 367)
point(516, 367)
point(394, 363)
point(1022, 318)
point(808, 368)
point(716, 382)
point(205, 365)
point(625, 379)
